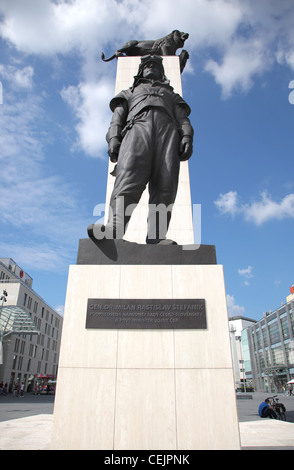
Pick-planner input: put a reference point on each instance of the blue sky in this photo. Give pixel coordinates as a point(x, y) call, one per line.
point(55, 114)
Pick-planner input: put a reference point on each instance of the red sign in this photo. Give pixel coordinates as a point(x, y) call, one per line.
point(45, 376)
point(292, 289)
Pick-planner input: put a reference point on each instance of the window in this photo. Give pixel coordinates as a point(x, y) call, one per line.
point(278, 357)
point(20, 362)
point(289, 353)
point(274, 333)
point(285, 328)
point(14, 361)
point(33, 350)
point(265, 337)
point(268, 357)
point(261, 360)
point(23, 343)
point(258, 339)
point(16, 344)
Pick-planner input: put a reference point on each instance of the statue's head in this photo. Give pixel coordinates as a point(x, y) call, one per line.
point(151, 67)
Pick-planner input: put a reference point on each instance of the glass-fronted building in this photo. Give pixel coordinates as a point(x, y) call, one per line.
point(27, 356)
point(268, 349)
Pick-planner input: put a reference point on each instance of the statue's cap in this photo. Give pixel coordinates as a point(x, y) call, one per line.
point(151, 58)
point(146, 59)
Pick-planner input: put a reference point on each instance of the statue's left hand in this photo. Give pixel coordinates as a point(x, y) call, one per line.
point(113, 149)
point(186, 148)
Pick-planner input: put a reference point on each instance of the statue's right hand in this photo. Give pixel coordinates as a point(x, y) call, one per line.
point(113, 149)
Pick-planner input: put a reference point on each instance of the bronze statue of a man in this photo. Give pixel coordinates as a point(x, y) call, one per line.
point(150, 133)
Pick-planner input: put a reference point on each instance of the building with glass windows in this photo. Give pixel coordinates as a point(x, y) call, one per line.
point(237, 324)
point(30, 331)
point(268, 349)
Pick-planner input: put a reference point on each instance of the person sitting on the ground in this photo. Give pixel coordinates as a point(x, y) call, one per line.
point(266, 410)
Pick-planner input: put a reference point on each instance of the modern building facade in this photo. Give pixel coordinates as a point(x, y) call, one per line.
point(28, 358)
point(268, 349)
point(237, 324)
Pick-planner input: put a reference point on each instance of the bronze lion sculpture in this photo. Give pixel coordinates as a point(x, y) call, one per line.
point(167, 45)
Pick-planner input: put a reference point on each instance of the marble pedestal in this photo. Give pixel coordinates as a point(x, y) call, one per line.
point(145, 389)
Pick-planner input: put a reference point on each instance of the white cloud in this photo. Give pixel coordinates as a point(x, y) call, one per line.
point(209, 23)
point(17, 123)
point(90, 104)
point(262, 211)
point(60, 309)
point(233, 308)
point(35, 206)
point(242, 61)
point(228, 203)
point(263, 35)
point(21, 78)
point(244, 37)
point(50, 27)
point(246, 274)
point(258, 212)
point(37, 255)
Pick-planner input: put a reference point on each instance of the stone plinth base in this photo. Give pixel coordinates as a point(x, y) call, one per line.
point(145, 389)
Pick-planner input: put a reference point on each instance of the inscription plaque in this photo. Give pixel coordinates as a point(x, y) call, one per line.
point(146, 314)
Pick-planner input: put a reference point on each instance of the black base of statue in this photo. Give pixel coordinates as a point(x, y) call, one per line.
point(122, 252)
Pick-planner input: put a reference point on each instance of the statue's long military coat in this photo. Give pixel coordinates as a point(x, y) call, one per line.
point(150, 120)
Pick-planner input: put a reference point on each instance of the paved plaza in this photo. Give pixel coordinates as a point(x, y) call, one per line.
point(259, 434)
point(26, 423)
